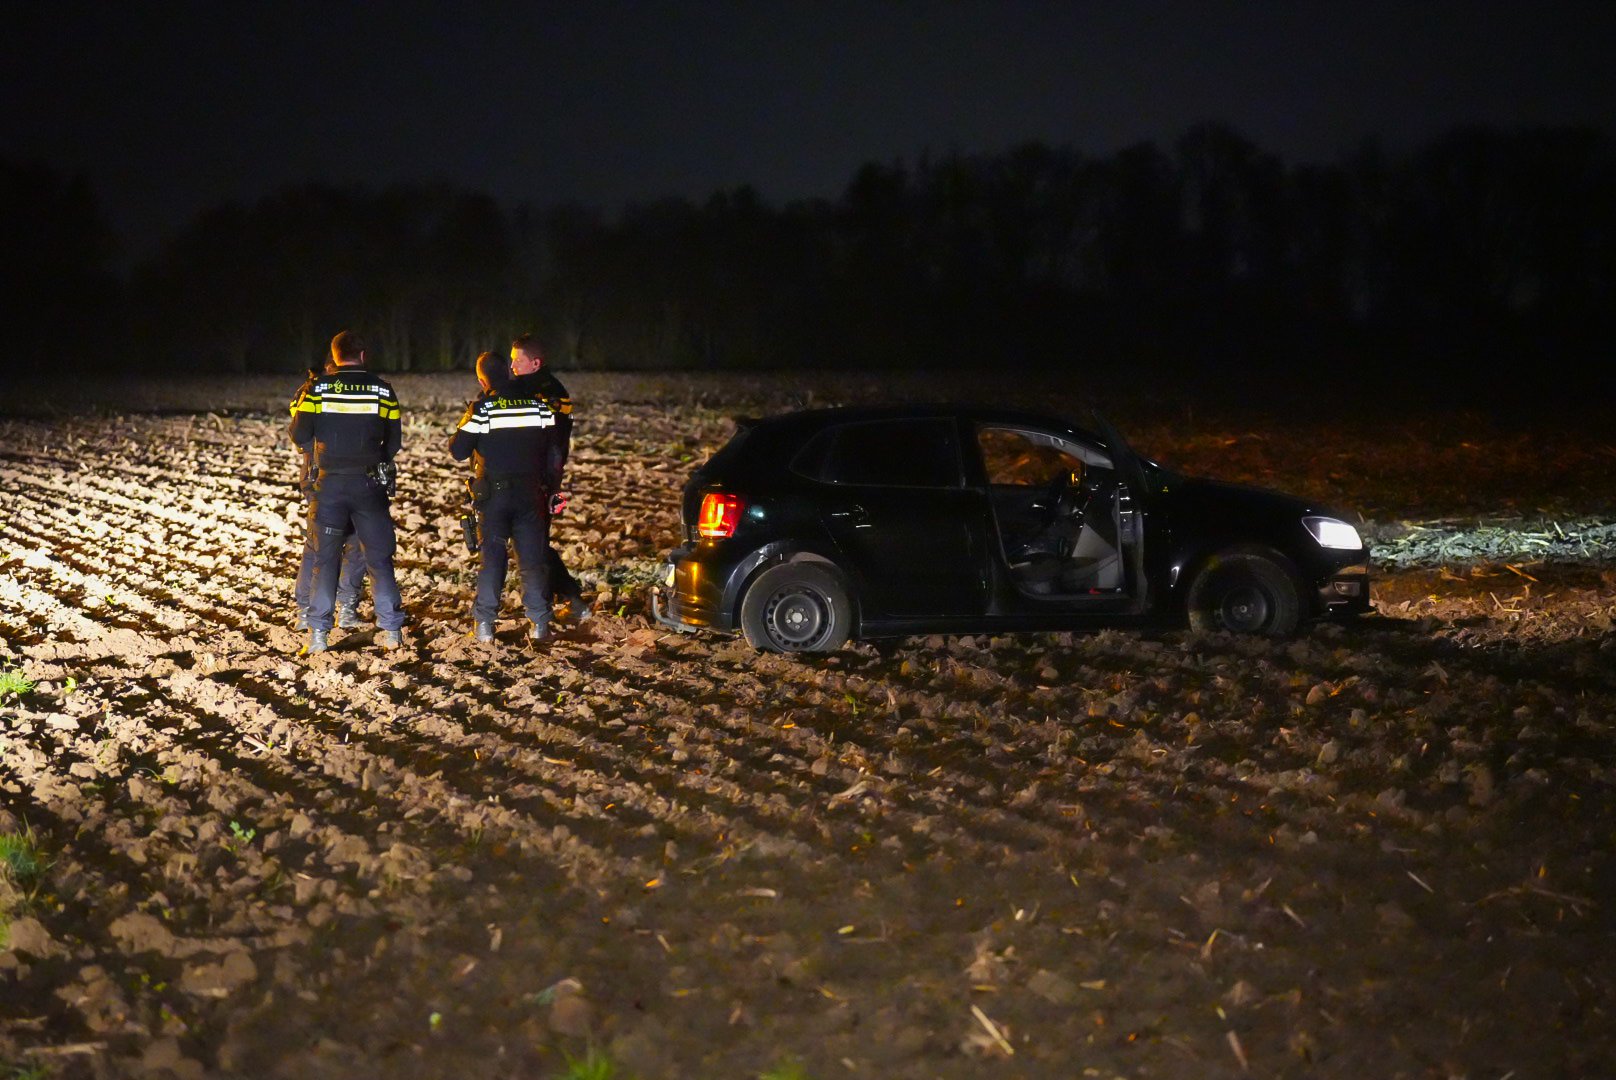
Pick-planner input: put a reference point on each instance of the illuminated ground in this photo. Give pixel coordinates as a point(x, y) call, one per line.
point(1376, 851)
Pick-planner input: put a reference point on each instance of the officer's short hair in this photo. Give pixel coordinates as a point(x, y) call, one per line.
point(493, 371)
point(347, 348)
point(528, 343)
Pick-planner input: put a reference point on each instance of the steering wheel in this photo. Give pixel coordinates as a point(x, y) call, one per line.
point(1061, 499)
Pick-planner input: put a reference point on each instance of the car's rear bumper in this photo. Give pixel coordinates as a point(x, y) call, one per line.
point(660, 612)
point(692, 593)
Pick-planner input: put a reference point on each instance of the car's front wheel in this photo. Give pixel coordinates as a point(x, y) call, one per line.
point(796, 607)
point(1247, 593)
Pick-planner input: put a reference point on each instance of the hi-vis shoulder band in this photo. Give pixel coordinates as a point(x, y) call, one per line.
point(349, 399)
point(505, 414)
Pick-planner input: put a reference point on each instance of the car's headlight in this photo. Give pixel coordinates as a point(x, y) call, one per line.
point(1333, 532)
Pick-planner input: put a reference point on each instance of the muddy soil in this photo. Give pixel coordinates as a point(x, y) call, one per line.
point(1382, 850)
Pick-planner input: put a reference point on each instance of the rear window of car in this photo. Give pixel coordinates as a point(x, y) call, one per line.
point(884, 453)
point(730, 451)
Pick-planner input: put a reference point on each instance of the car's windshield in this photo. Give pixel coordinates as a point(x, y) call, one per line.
point(1158, 476)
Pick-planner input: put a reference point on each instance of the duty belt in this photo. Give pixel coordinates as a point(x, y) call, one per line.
point(348, 470)
point(511, 481)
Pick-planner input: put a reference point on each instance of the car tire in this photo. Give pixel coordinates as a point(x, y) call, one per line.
point(1245, 592)
point(796, 607)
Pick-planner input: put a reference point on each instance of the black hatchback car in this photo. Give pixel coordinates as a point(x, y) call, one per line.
point(813, 527)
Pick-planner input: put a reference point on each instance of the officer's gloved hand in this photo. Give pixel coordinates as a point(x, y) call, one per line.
point(558, 502)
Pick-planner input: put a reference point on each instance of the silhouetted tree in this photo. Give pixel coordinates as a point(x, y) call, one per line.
point(425, 272)
point(57, 293)
point(1481, 240)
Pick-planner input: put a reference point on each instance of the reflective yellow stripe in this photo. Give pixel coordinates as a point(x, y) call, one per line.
point(502, 421)
point(309, 405)
point(362, 408)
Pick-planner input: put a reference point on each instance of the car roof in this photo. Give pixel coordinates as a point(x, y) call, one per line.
point(809, 420)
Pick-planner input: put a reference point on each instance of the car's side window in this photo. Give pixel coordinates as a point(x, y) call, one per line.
point(886, 453)
point(1014, 458)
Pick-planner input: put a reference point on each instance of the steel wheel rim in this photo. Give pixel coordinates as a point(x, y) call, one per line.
point(796, 617)
point(1245, 608)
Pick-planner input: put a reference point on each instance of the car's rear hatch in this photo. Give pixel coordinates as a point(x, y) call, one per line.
point(714, 472)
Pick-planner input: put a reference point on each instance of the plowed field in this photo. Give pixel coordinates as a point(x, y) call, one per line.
point(1376, 850)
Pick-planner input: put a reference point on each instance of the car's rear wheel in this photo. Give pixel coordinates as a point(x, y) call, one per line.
point(1245, 593)
point(796, 607)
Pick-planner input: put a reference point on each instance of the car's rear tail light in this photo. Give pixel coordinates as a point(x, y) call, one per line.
point(719, 515)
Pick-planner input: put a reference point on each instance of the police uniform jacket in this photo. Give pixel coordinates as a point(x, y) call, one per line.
point(543, 384)
point(349, 419)
point(512, 435)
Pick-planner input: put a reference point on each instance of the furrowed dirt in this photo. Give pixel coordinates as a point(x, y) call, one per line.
point(1377, 850)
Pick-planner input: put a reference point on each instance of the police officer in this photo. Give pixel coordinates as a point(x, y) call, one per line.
point(515, 440)
point(528, 375)
point(350, 420)
point(352, 577)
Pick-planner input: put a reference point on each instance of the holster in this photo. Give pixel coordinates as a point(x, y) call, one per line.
point(385, 474)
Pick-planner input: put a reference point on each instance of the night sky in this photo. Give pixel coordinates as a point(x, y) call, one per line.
point(170, 108)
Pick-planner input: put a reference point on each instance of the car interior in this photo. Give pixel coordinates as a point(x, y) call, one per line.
point(1056, 505)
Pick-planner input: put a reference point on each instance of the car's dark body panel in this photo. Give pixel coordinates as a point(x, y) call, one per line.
point(917, 560)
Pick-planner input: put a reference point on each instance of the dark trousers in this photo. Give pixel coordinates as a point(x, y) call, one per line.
point(519, 513)
point(563, 586)
point(349, 581)
point(344, 503)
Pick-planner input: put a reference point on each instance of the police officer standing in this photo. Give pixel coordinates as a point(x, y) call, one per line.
point(528, 375)
point(517, 447)
point(350, 420)
point(352, 577)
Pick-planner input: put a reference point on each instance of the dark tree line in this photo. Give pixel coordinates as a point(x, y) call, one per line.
point(427, 274)
point(1503, 242)
point(56, 249)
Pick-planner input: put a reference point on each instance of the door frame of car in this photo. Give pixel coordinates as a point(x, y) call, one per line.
point(1013, 606)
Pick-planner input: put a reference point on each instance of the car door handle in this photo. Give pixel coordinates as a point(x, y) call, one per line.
point(851, 514)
